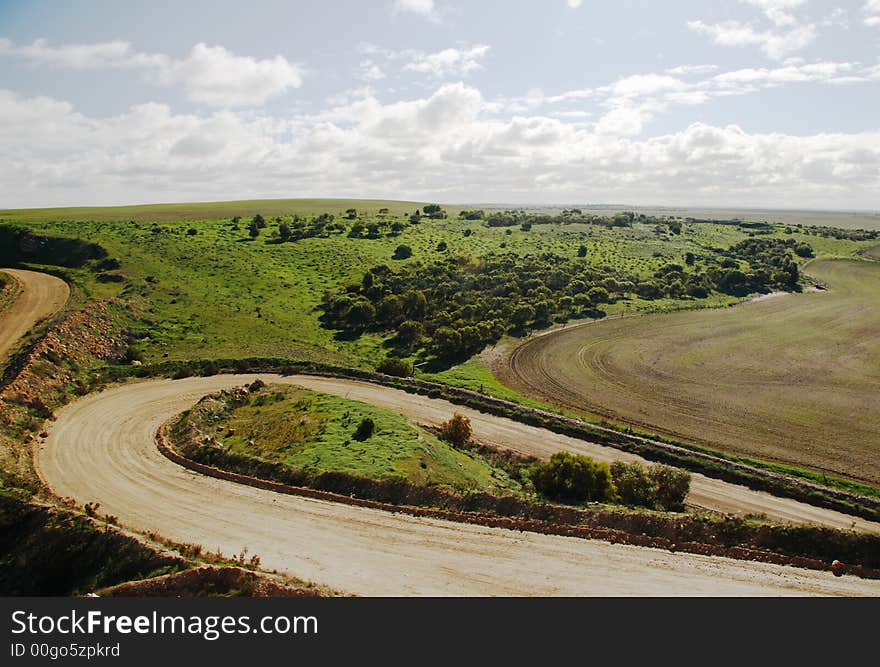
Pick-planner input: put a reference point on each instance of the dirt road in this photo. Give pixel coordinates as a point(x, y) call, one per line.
point(42, 295)
point(102, 449)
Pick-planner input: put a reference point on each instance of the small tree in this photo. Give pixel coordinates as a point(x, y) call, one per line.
point(365, 429)
point(254, 230)
point(582, 251)
point(284, 231)
point(402, 252)
point(633, 483)
point(673, 485)
point(457, 430)
point(410, 332)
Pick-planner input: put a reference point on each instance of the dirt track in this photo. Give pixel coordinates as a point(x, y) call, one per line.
point(102, 449)
point(42, 295)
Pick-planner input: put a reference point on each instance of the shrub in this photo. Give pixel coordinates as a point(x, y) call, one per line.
point(365, 429)
point(634, 484)
point(673, 485)
point(572, 478)
point(398, 367)
point(657, 486)
point(402, 252)
point(457, 430)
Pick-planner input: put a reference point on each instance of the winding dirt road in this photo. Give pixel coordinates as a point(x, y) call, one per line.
point(41, 296)
point(102, 449)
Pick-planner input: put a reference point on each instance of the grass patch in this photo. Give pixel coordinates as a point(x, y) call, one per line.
point(315, 433)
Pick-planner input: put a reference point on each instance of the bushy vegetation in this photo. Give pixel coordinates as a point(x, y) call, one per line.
point(457, 430)
point(573, 479)
point(455, 307)
point(655, 486)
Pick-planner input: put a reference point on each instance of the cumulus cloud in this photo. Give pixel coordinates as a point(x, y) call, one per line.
point(448, 62)
point(446, 145)
point(219, 78)
point(211, 75)
point(574, 4)
point(776, 45)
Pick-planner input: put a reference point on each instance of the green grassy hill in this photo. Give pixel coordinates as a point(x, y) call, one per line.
point(209, 210)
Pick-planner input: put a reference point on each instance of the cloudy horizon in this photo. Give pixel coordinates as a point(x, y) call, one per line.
point(746, 103)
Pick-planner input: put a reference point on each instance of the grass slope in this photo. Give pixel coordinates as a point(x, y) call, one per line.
point(206, 210)
point(313, 432)
point(219, 294)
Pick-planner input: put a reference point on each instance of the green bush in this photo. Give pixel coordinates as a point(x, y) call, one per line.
point(657, 486)
point(673, 485)
point(365, 429)
point(572, 478)
point(398, 367)
point(634, 485)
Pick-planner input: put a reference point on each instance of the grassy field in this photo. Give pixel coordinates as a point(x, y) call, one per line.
point(207, 210)
point(793, 378)
point(218, 293)
point(314, 432)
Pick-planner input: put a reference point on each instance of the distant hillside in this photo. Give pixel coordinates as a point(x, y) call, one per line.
point(210, 210)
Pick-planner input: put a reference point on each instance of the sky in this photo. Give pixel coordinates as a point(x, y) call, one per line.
point(734, 103)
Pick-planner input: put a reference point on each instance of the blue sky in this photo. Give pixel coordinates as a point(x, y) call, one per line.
point(676, 102)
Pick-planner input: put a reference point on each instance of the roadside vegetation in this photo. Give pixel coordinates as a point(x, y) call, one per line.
point(9, 291)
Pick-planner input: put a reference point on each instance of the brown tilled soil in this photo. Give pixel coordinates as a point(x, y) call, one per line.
point(793, 379)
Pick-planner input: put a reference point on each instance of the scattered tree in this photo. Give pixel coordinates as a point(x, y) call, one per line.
point(402, 252)
point(365, 429)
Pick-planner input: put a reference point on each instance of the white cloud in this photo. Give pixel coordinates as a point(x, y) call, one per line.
point(448, 62)
point(871, 9)
point(219, 78)
point(210, 74)
point(682, 70)
point(370, 71)
point(776, 45)
point(646, 84)
point(447, 145)
point(574, 4)
point(423, 8)
point(777, 10)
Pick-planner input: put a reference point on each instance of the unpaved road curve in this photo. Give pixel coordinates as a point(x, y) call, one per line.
point(41, 296)
point(102, 448)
